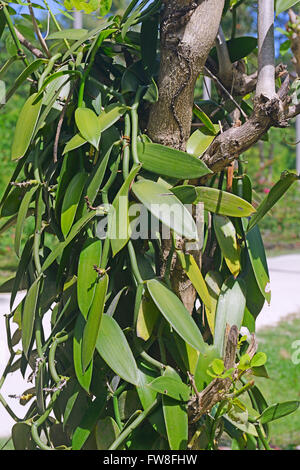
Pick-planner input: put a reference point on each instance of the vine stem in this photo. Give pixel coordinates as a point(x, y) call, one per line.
point(125, 433)
point(14, 35)
point(266, 51)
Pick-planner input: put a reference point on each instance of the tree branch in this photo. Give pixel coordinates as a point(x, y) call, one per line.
point(266, 53)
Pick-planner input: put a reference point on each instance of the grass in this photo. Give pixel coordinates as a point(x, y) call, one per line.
point(284, 381)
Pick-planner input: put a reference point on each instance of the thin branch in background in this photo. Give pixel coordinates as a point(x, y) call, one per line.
point(208, 72)
point(60, 123)
point(34, 50)
point(37, 30)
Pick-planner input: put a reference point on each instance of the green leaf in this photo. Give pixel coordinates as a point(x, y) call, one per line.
point(223, 203)
point(21, 437)
point(62, 245)
point(193, 272)
point(226, 236)
point(204, 119)
point(176, 314)
point(282, 5)
point(214, 281)
point(259, 359)
point(114, 349)
point(166, 161)
point(258, 261)
point(90, 256)
point(84, 378)
point(217, 366)
point(164, 205)
point(176, 419)
point(88, 422)
point(201, 377)
point(28, 314)
point(106, 432)
point(76, 141)
point(93, 323)
point(25, 127)
point(110, 115)
point(147, 317)
point(149, 32)
point(230, 310)
point(22, 214)
point(22, 267)
point(105, 6)
point(118, 220)
point(88, 124)
point(172, 387)
point(96, 178)
point(278, 411)
point(71, 34)
point(286, 180)
point(23, 76)
point(198, 142)
point(238, 48)
point(71, 201)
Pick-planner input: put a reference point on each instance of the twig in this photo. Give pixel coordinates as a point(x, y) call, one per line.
point(60, 123)
point(37, 30)
point(215, 78)
point(34, 50)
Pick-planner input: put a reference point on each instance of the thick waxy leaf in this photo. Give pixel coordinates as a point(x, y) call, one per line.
point(204, 119)
point(165, 206)
point(76, 141)
point(147, 318)
point(172, 387)
point(214, 281)
point(88, 422)
point(166, 161)
point(198, 142)
point(258, 261)
point(176, 418)
point(202, 378)
point(22, 214)
point(90, 256)
point(118, 218)
point(61, 246)
point(114, 349)
point(106, 432)
point(84, 378)
point(278, 411)
point(230, 310)
point(286, 180)
point(91, 329)
point(88, 124)
point(149, 30)
point(22, 267)
point(21, 437)
point(193, 272)
point(71, 201)
point(97, 176)
point(28, 314)
point(22, 77)
point(74, 34)
point(110, 115)
point(282, 5)
point(223, 203)
point(25, 127)
point(226, 236)
point(237, 48)
point(175, 313)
